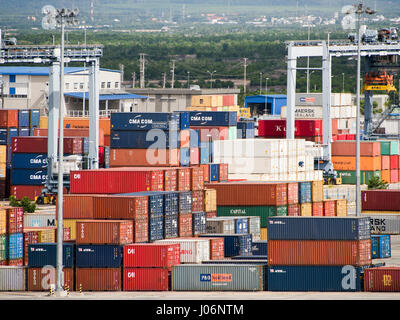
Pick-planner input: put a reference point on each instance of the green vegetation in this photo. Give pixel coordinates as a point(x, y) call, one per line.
point(376, 183)
point(25, 203)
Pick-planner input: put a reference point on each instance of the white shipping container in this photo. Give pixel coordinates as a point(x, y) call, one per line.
point(301, 146)
point(292, 176)
point(345, 112)
point(301, 163)
point(353, 111)
point(391, 126)
point(253, 165)
point(292, 164)
point(301, 176)
point(335, 112)
point(283, 147)
point(218, 225)
point(304, 112)
point(40, 220)
point(283, 164)
point(292, 146)
point(12, 278)
point(192, 250)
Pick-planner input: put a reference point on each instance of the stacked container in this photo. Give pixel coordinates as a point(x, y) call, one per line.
point(11, 236)
point(333, 248)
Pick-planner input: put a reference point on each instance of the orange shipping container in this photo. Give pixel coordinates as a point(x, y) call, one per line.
point(77, 206)
point(385, 162)
point(317, 189)
point(319, 252)
point(8, 118)
point(107, 140)
point(348, 148)
point(104, 232)
point(144, 157)
point(349, 163)
point(170, 179)
point(329, 208)
point(185, 222)
point(385, 175)
point(317, 209)
point(120, 207)
point(197, 178)
point(40, 279)
point(206, 172)
point(98, 279)
point(73, 122)
point(184, 179)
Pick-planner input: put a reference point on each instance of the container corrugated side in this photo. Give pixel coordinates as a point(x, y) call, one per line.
point(145, 279)
point(314, 278)
point(217, 277)
point(380, 200)
point(318, 228)
point(382, 279)
point(384, 224)
point(40, 279)
point(104, 231)
point(39, 220)
point(77, 206)
point(98, 279)
point(43, 254)
point(12, 278)
point(120, 207)
point(192, 250)
point(98, 256)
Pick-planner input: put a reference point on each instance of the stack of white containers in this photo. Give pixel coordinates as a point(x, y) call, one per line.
point(266, 159)
point(193, 250)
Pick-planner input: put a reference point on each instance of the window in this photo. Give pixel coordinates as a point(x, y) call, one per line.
point(103, 85)
point(108, 84)
point(12, 77)
point(81, 85)
point(12, 91)
point(66, 86)
point(116, 84)
point(75, 86)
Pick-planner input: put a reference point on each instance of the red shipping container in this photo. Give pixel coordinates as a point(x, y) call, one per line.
point(194, 156)
point(145, 279)
point(293, 210)
point(272, 128)
point(197, 178)
point(9, 118)
point(31, 192)
point(394, 176)
point(198, 201)
point(217, 248)
point(228, 100)
point(104, 232)
point(206, 172)
point(40, 279)
point(342, 137)
point(15, 262)
point(308, 128)
point(72, 145)
point(382, 279)
point(223, 172)
point(184, 179)
point(14, 219)
point(385, 162)
point(71, 132)
point(152, 255)
point(335, 130)
point(170, 179)
point(112, 181)
point(29, 238)
point(120, 207)
point(77, 206)
point(98, 279)
point(292, 193)
point(185, 227)
point(394, 162)
point(380, 200)
point(211, 215)
point(317, 209)
point(184, 138)
point(334, 137)
point(350, 137)
point(329, 208)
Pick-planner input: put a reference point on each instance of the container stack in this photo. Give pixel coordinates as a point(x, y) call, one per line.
point(317, 253)
point(214, 103)
point(11, 236)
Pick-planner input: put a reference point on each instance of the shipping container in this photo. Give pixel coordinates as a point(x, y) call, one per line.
point(234, 244)
point(98, 256)
point(14, 219)
point(120, 207)
point(207, 118)
point(349, 177)
point(72, 145)
point(348, 163)
point(41, 279)
point(31, 192)
point(185, 202)
point(382, 279)
point(145, 279)
point(218, 225)
point(389, 147)
point(39, 220)
point(12, 278)
point(29, 177)
point(318, 228)
point(9, 118)
point(145, 121)
point(348, 148)
point(329, 208)
point(380, 200)
point(104, 232)
point(196, 178)
point(380, 246)
point(29, 160)
point(45, 254)
point(218, 277)
point(318, 252)
point(185, 225)
point(184, 179)
point(318, 209)
point(77, 206)
point(198, 201)
point(156, 228)
point(199, 223)
point(192, 250)
point(98, 279)
point(259, 248)
point(383, 223)
point(144, 157)
point(15, 246)
point(314, 278)
point(341, 207)
point(154, 139)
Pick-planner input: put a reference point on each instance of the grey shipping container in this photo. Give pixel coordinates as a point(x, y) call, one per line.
point(318, 228)
point(39, 220)
point(218, 277)
point(384, 224)
point(12, 278)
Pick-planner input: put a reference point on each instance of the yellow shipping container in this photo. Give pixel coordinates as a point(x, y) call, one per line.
point(210, 200)
point(305, 209)
point(263, 234)
point(48, 235)
point(3, 221)
point(44, 122)
point(207, 101)
point(3, 170)
point(71, 225)
point(341, 208)
point(3, 154)
point(317, 188)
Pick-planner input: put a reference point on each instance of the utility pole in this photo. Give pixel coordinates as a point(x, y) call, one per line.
point(260, 81)
point(133, 79)
point(173, 74)
point(142, 67)
point(164, 79)
point(244, 75)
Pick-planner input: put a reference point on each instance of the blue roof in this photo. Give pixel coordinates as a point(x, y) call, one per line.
point(268, 96)
point(103, 97)
point(41, 71)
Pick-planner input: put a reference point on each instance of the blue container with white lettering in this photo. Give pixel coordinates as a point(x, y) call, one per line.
point(213, 118)
point(3, 136)
point(98, 256)
point(29, 161)
point(199, 223)
point(24, 132)
point(15, 246)
point(204, 153)
point(144, 121)
point(259, 248)
point(155, 200)
point(171, 226)
point(184, 157)
point(241, 225)
point(380, 246)
point(314, 278)
point(23, 118)
point(214, 172)
point(184, 119)
point(234, 244)
point(156, 228)
point(34, 118)
point(171, 202)
point(152, 139)
point(28, 177)
point(305, 192)
point(45, 254)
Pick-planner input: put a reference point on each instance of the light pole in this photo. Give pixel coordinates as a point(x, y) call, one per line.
point(260, 81)
point(211, 75)
point(266, 85)
point(342, 82)
point(308, 79)
point(188, 73)
point(60, 17)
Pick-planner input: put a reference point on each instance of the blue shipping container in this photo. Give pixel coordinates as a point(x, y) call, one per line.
point(98, 256)
point(194, 138)
point(154, 139)
point(213, 118)
point(314, 278)
point(29, 160)
point(214, 172)
point(199, 223)
point(45, 254)
point(245, 130)
point(259, 248)
point(234, 244)
point(3, 136)
point(204, 153)
point(241, 225)
point(184, 119)
point(184, 157)
point(35, 118)
point(380, 246)
point(305, 192)
point(156, 228)
point(28, 177)
point(85, 145)
point(155, 199)
point(24, 132)
point(171, 202)
point(185, 201)
point(15, 246)
point(318, 228)
point(23, 118)
point(144, 121)
point(171, 226)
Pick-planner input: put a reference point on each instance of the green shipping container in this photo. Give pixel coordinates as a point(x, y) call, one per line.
point(3, 256)
point(389, 148)
point(259, 211)
point(349, 177)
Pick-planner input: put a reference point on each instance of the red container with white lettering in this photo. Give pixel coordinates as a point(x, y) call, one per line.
point(145, 279)
point(184, 179)
point(386, 279)
point(151, 255)
point(293, 210)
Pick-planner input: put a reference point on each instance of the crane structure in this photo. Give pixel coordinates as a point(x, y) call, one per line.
point(51, 55)
point(328, 50)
